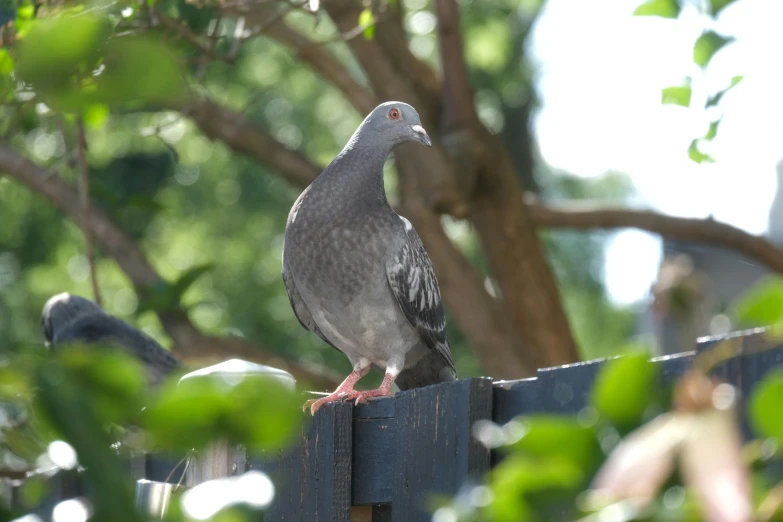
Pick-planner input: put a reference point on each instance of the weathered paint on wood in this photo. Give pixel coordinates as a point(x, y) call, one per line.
point(219, 460)
point(434, 451)
point(313, 479)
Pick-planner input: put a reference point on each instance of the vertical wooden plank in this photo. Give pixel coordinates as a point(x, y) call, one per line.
point(332, 446)
point(434, 451)
point(313, 479)
point(216, 461)
point(478, 461)
point(373, 457)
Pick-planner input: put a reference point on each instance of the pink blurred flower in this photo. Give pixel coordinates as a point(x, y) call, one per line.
point(702, 431)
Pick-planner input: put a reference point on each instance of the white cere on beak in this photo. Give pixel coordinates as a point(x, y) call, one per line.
point(423, 136)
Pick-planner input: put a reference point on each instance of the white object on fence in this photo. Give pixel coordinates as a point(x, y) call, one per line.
point(221, 460)
point(235, 371)
point(153, 498)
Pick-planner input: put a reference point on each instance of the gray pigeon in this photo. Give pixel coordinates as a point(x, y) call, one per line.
point(70, 318)
point(357, 273)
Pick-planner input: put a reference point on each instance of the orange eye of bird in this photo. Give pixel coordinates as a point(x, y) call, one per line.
point(394, 114)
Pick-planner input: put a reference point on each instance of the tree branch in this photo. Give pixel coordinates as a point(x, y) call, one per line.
point(387, 82)
point(243, 135)
point(458, 107)
point(190, 342)
point(184, 32)
point(516, 259)
point(84, 202)
point(709, 231)
point(390, 34)
point(262, 18)
point(326, 65)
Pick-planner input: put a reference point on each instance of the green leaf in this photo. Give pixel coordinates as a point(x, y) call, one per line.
point(765, 403)
point(114, 380)
point(33, 491)
point(187, 279)
point(134, 57)
point(366, 18)
point(716, 6)
point(519, 478)
point(712, 131)
point(678, 95)
point(707, 45)
point(698, 156)
point(259, 413)
point(716, 98)
point(70, 410)
point(561, 437)
point(622, 390)
point(56, 51)
point(6, 62)
point(762, 305)
point(95, 115)
point(25, 12)
point(25, 18)
point(662, 8)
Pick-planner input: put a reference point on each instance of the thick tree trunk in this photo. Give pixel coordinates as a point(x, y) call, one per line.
point(516, 259)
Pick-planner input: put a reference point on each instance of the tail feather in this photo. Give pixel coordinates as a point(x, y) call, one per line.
point(430, 370)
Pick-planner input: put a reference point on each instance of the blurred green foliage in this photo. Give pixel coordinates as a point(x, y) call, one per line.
point(550, 461)
point(636, 376)
point(211, 221)
point(704, 48)
point(765, 406)
point(86, 399)
point(762, 305)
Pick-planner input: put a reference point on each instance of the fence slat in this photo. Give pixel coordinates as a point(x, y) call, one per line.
point(373, 435)
point(313, 479)
point(434, 451)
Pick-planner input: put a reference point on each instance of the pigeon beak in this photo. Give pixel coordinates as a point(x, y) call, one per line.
point(421, 135)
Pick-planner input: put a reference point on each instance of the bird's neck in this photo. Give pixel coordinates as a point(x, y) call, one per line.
point(358, 169)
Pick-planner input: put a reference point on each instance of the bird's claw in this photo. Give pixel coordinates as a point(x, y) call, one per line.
point(315, 404)
point(362, 396)
point(357, 396)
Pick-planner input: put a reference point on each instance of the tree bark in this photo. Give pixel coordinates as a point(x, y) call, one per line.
point(517, 260)
point(530, 295)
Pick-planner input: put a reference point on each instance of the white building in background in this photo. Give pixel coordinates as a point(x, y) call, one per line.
point(690, 301)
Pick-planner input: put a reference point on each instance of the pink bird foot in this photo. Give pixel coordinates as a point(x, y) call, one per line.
point(362, 396)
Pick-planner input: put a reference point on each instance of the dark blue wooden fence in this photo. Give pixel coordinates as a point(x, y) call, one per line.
point(389, 455)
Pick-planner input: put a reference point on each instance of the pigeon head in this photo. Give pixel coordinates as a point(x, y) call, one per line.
point(395, 123)
point(62, 310)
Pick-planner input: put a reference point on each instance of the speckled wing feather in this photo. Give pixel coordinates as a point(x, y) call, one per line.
point(301, 311)
point(415, 286)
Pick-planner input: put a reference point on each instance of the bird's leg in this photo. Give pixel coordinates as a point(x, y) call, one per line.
point(384, 390)
point(345, 389)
